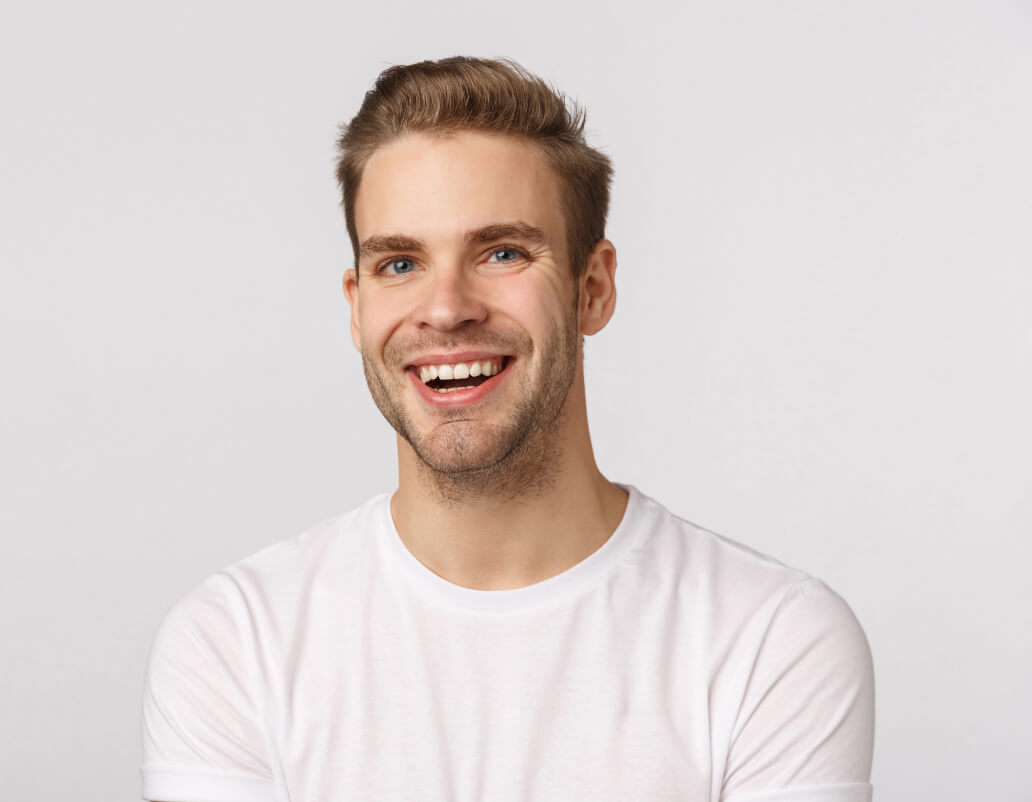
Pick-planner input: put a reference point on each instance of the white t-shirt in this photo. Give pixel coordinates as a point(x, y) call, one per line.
point(670, 664)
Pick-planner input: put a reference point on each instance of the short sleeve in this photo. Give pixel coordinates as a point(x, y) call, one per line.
point(805, 729)
point(204, 738)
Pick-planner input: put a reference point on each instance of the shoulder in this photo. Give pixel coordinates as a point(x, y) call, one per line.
point(758, 613)
point(333, 543)
point(217, 656)
point(246, 596)
point(791, 675)
point(709, 562)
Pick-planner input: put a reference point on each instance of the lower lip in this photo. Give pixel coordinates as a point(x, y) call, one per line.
point(459, 398)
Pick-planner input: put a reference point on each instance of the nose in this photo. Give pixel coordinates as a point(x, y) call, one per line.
point(451, 301)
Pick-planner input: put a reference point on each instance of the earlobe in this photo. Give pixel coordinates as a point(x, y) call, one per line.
point(598, 288)
point(351, 293)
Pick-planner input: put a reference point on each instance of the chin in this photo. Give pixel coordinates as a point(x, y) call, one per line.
point(462, 447)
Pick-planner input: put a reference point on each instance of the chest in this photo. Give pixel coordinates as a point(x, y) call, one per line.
point(404, 703)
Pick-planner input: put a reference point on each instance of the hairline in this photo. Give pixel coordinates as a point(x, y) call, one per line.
point(465, 94)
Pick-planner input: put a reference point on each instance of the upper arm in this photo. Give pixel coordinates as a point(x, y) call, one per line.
point(805, 729)
point(203, 731)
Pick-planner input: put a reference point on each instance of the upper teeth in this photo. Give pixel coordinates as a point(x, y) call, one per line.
point(460, 370)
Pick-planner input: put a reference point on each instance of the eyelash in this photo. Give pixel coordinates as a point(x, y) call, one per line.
point(382, 267)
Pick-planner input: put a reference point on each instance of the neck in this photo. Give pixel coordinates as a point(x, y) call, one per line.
point(507, 526)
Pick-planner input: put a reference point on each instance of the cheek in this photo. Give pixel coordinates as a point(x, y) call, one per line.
point(534, 301)
point(379, 322)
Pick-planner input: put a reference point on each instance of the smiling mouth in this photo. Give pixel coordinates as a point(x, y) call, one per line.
point(447, 378)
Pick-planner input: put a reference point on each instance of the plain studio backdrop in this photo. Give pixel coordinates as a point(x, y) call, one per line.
point(821, 347)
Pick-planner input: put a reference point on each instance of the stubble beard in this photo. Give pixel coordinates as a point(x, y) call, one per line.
point(460, 459)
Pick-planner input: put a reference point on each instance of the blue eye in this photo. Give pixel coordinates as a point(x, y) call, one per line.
point(504, 255)
point(399, 267)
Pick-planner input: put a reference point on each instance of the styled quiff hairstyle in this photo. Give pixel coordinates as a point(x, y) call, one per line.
point(492, 96)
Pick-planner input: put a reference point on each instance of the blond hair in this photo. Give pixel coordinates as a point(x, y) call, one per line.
point(493, 96)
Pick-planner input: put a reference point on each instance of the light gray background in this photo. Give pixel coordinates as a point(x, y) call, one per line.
point(821, 346)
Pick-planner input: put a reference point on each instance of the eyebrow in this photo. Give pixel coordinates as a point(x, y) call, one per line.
point(521, 231)
point(385, 243)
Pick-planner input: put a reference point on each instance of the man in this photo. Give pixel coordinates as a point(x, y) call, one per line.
point(509, 624)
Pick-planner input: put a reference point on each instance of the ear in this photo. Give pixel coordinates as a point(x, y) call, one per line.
point(351, 292)
point(598, 288)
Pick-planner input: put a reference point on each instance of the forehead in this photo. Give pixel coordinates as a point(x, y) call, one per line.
point(433, 187)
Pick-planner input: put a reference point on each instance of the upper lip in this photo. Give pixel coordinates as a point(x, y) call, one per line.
point(453, 359)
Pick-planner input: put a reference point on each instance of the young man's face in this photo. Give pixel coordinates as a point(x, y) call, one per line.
point(463, 275)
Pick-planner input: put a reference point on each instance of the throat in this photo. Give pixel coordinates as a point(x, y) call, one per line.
point(444, 385)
